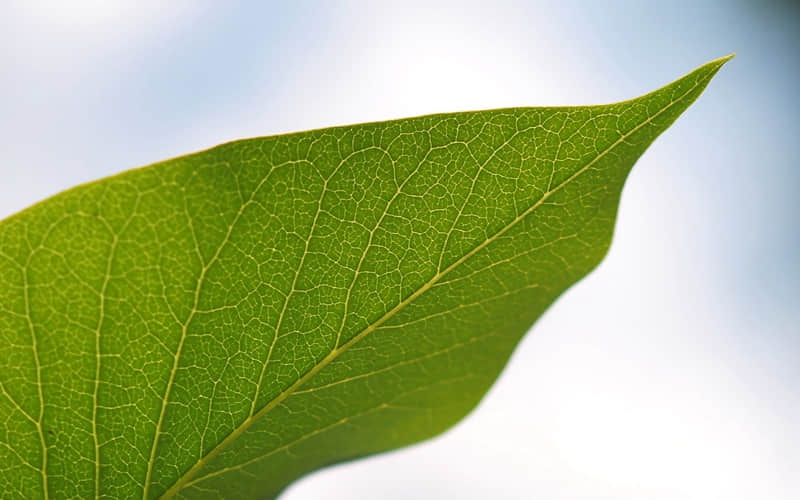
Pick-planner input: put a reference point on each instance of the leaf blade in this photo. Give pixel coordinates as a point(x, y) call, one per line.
point(188, 269)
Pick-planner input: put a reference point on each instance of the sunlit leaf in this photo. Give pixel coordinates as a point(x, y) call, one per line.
point(219, 324)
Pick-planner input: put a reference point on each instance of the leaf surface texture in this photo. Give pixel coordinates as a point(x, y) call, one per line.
point(219, 324)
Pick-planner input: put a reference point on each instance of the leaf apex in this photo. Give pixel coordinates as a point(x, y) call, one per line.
point(716, 64)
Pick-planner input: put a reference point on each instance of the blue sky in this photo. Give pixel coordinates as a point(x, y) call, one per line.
point(671, 371)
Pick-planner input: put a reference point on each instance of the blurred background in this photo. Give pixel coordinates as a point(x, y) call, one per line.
point(672, 371)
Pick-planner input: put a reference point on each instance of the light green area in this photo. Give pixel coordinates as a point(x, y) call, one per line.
point(220, 324)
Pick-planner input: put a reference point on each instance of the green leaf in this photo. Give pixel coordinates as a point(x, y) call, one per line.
point(219, 324)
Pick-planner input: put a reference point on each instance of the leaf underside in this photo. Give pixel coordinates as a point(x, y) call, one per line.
point(219, 324)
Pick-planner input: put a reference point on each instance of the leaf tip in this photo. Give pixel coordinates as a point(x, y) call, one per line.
point(713, 66)
point(710, 68)
point(723, 60)
point(716, 64)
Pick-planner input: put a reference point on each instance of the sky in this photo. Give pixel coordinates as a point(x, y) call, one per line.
point(672, 371)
